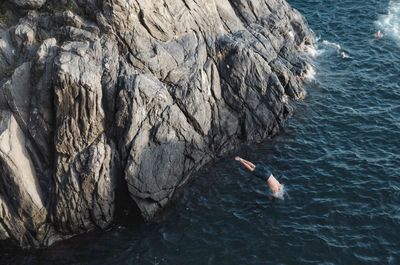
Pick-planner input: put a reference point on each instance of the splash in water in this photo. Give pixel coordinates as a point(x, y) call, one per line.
point(309, 74)
point(389, 23)
point(334, 45)
point(280, 194)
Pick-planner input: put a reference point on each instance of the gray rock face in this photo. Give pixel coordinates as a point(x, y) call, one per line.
point(21, 200)
point(96, 95)
point(29, 3)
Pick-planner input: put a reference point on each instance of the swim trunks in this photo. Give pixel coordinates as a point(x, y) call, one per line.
point(261, 172)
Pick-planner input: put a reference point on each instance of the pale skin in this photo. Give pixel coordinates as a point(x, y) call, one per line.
point(378, 34)
point(272, 182)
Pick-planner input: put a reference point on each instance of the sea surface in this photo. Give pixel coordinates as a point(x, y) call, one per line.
point(339, 158)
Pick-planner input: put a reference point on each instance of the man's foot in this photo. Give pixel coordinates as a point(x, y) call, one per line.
point(237, 158)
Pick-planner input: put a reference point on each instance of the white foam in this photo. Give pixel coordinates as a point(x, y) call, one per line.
point(389, 24)
point(311, 50)
point(309, 73)
point(344, 55)
point(280, 194)
point(329, 46)
point(334, 45)
point(324, 46)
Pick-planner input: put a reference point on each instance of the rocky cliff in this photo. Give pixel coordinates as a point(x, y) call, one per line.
point(104, 97)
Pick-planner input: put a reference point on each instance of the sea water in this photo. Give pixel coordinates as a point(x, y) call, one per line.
point(339, 159)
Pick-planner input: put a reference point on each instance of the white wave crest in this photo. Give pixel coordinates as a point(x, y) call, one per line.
point(327, 46)
point(344, 55)
point(389, 24)
point(322, 46)
point(334, 45)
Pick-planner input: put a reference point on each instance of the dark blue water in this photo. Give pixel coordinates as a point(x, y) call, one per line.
point(338, 157)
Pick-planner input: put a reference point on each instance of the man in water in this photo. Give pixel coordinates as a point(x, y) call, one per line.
point(378, 35)
point(264, 174)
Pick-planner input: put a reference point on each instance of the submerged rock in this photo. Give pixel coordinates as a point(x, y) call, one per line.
point(96, 96)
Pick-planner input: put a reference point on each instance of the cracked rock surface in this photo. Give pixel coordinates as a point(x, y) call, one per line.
point(109, 96)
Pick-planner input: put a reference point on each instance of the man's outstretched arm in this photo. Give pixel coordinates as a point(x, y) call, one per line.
point(247, 164)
